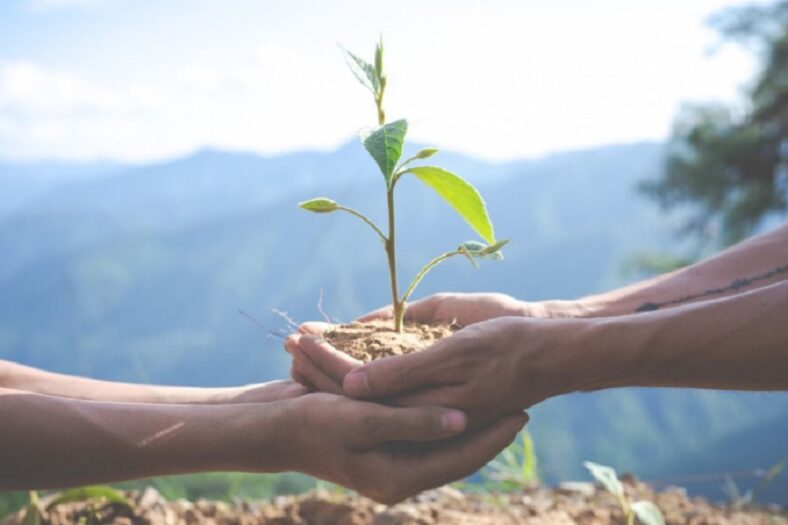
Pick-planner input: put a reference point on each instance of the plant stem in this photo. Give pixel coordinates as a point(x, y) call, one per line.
point(379, 102)
point(626, 507)
point(390, 240)
point(426, 268)
point(365, 219)
point(391, 253)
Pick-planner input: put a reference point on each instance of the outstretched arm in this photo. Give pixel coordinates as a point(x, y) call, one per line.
point(53, 442)
point(757, 262)
point(738, 342)
point(24, 378)
point(754, 263)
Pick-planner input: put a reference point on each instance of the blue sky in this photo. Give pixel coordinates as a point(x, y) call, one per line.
point(139, 80)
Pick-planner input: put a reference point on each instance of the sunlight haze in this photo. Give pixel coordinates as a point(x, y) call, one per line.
point(140, 81)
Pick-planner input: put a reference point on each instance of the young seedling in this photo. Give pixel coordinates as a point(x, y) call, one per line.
point(32, 514)
point(645, 511)
point(516, 468)
point(94, 497)
point(384, 144)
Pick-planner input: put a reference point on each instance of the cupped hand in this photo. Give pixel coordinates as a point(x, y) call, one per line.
point(461, 308)
point(327, 369)
point(389, 453)
point(487, 369)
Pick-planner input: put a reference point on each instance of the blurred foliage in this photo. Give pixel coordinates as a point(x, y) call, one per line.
point(11, 502)
point(729, 165)
point(223, 486)
point(649, 263)
point(515, 468)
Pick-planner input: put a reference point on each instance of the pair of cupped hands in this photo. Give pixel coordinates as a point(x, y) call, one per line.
point(399, 425)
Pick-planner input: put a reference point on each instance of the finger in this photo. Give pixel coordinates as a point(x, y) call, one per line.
point(381, 424)
point(313, 375)
point(315, 328)
point(443, 396)
point(448, 396)
point(402, 374)
point(505, 433)
point(299, 378)
point(281, 389)
point(329, 360)
point(422, 311)
point(290, 343)
point(463, 456)
point(381, 314)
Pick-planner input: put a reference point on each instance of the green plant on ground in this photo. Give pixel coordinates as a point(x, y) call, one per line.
point(515, 468)
point(740, 499)
point(32, 514)
point(645, 511)
point(95, 497)
point(385, 144)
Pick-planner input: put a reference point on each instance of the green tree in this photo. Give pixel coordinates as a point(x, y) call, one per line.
point(727, 167)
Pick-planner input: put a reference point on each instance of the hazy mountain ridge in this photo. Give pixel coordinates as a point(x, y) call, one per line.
point(138, 274)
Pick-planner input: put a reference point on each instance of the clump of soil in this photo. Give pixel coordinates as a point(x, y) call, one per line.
point(375, 339)
point(569, 504)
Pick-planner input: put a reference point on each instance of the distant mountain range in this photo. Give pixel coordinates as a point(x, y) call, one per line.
point(138, 273)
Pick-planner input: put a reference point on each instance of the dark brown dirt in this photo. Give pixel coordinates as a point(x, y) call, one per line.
point(373, 340)
point(576, 503)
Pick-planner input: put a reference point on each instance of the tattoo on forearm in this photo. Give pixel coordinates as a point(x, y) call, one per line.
point(735, 286)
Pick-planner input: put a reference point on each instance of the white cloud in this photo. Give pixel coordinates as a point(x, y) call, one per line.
point(57, 114)
point(54, 5)
point(499, 80)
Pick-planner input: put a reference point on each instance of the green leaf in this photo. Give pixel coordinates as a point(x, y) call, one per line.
point(93, 493)
point(473, 246)
point(425, 153)
point(607, 477)
point(460, 195)
point(363, 70)
point(32, 511)
point(648, 513)
point(379, 58)
point(32, 515)
point(483, 251)
point(385, 146)
point(319, 205)
point(495, 249)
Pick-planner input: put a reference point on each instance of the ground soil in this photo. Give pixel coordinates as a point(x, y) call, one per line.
point(373, 340)
point(573, 503)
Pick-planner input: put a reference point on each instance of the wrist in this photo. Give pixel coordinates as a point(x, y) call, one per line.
point(611, 352)
point(571, 309)
point(250, 437)
point(556, 309)
point(561, 356)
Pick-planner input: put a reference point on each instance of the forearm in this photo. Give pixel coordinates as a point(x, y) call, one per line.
point(18, 377)
point(51, 442)
point(755, 263)
point(739, 342)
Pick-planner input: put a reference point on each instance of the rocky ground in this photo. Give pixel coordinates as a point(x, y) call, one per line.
point(579, 503)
